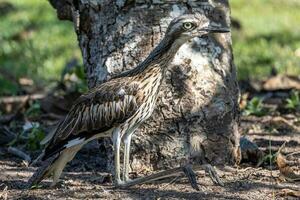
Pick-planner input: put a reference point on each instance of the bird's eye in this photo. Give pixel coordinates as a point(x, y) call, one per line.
point(188, 25)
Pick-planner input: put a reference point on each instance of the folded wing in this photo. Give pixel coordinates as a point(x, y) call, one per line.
point(103, 108)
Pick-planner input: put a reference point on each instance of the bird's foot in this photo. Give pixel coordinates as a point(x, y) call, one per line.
point(127, 179)
point(57, 184)
point(119, 182)
point(191, 175)
point(213, 174)
point(123, 184)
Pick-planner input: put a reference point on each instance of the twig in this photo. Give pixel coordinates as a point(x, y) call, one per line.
point(3, 194)
point(19, 153)
point(171, 182)
point(294, 153)
point(20, 99)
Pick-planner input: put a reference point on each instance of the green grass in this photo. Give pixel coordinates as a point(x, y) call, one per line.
point(35, 44)
point(269, 37)
point(255, 107)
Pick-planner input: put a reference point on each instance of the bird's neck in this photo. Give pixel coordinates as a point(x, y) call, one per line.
point(160, 57)
point(151, 72)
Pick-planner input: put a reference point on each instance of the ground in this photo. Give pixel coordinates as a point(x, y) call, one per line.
point(83, 180)
point(38, 51)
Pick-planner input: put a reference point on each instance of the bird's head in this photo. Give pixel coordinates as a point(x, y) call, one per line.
point(188, 26)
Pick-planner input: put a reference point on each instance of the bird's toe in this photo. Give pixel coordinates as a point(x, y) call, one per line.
point(213, 174)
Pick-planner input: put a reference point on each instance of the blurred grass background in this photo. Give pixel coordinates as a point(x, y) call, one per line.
point(36, 45)
point(269, 37)
point(33, 43)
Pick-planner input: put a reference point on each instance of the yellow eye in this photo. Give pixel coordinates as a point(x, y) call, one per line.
point(188, 25)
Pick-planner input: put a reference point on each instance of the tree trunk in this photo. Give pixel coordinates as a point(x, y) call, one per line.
point(197, 111)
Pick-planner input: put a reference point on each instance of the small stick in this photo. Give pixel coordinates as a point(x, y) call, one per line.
point(19, 153)
point(3, 194)
point(294, 153)
point(17, 99)
point(171, 182)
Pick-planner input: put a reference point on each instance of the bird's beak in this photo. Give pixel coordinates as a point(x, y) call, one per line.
point(217, 29)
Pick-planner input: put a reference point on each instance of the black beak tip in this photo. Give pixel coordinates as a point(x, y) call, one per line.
point(225, 30)
point(219, 30)
point(216, 29)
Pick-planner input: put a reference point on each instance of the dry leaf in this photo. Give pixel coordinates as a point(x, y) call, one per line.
point(282, 82)
point(285, 170)
point(289, 192)
point(3, 193)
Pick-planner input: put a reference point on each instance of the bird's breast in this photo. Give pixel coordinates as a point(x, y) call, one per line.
point(149, 88)
point(151, 94)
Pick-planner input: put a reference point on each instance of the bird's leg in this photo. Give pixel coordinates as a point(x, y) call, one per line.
point(116, 144)
point(127, 140)
point(191, 175)
point(185, 170)
point(212, 174)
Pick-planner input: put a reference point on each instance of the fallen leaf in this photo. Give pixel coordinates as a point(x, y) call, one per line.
point(3, 193)
point(282, 82)
point(286, 171)
point(289, 192)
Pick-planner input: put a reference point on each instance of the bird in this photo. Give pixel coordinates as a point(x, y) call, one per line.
point(116, 108)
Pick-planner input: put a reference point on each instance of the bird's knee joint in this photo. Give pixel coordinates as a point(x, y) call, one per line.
point(116, 137)
point(127, 139)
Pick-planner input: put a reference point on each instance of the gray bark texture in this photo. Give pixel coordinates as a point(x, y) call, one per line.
point(197, 111)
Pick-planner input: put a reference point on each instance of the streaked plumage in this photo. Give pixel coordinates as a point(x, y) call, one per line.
point(104, 107)
point(116, 108)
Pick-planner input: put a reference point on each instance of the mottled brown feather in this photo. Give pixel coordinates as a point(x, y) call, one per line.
point(106, 105)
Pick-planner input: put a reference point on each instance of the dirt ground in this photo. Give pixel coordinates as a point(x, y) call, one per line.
point(82, 180)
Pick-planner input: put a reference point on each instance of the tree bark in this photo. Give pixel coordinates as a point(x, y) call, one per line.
point(197, 111)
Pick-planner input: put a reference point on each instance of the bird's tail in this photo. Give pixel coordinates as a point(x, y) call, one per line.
point(43, 171)
point(53, 165)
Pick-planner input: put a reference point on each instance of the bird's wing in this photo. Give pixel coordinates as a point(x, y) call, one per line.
point(104, 107)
